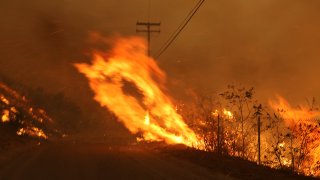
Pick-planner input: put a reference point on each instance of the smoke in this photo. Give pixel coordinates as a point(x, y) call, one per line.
point(266, 44)
point(269, 44)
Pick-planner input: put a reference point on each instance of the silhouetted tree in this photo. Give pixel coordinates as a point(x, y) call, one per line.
point(241, 98)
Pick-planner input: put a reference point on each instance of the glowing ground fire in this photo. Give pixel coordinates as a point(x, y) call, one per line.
point(154, 115)
point(14, 106)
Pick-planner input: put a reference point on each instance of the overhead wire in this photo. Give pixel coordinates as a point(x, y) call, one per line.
point(149, 4)
point(184, 23)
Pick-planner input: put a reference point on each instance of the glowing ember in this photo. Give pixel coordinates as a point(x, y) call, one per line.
point(32, 131)
point(5, 117)
point(227, 114)
point(4, 100)
point(281, 145)
point(215, 113)
point(128, 63)
point(13, 109)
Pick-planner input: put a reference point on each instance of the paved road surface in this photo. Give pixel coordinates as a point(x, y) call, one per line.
point(99, 161)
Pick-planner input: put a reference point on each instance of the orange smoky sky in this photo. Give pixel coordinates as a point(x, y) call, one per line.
point(269, 44)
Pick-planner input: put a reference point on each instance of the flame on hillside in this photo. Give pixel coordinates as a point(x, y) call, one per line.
point(16, 108)
point(292, 115)
point(289, 139)
point(303, 123)
point(154, 115)
point(33, 132)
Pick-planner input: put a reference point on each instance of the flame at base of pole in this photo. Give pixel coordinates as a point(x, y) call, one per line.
point(127, 61)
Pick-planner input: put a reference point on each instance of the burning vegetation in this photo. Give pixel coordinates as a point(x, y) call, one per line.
point(153, 115)
point(232, 123)
point(19, 115)
point(274, 135)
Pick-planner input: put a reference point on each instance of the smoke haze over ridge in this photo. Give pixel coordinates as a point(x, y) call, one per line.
point(269, 44)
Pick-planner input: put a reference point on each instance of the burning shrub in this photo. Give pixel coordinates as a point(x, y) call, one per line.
point(282, 140)
point(20, 117)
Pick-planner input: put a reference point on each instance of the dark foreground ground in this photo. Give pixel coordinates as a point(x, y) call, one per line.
point(99, 161)
point(74, 160)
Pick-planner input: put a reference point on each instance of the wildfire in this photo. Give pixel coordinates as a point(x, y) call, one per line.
point(127, 63)
point(4, 100)
point(13, 105)
point(32, 131)
point(304, 130)
point(293, 115)
point(131, 85)
point(147, 119)
point(227, 114)
point(5, 117)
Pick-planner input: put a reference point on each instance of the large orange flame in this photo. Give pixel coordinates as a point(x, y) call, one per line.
point(154, 116)
point(296, 119)
point(293, 115)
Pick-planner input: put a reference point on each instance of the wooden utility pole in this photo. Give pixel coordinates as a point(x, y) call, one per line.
point(259, 142)
point(219, 139)
point(148, 29)
point(258, 113)
point(292, 151)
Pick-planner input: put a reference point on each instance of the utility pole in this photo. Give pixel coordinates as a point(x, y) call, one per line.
point(149, 30)
point(292, 150)
point(258, 113)
point(218, 135)
point(259, 141)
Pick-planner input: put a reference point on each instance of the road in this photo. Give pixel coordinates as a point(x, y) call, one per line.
point(100, 161)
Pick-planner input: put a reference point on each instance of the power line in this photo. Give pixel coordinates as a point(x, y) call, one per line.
point(182, 23)
point(180, 28)
point(149, 5)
